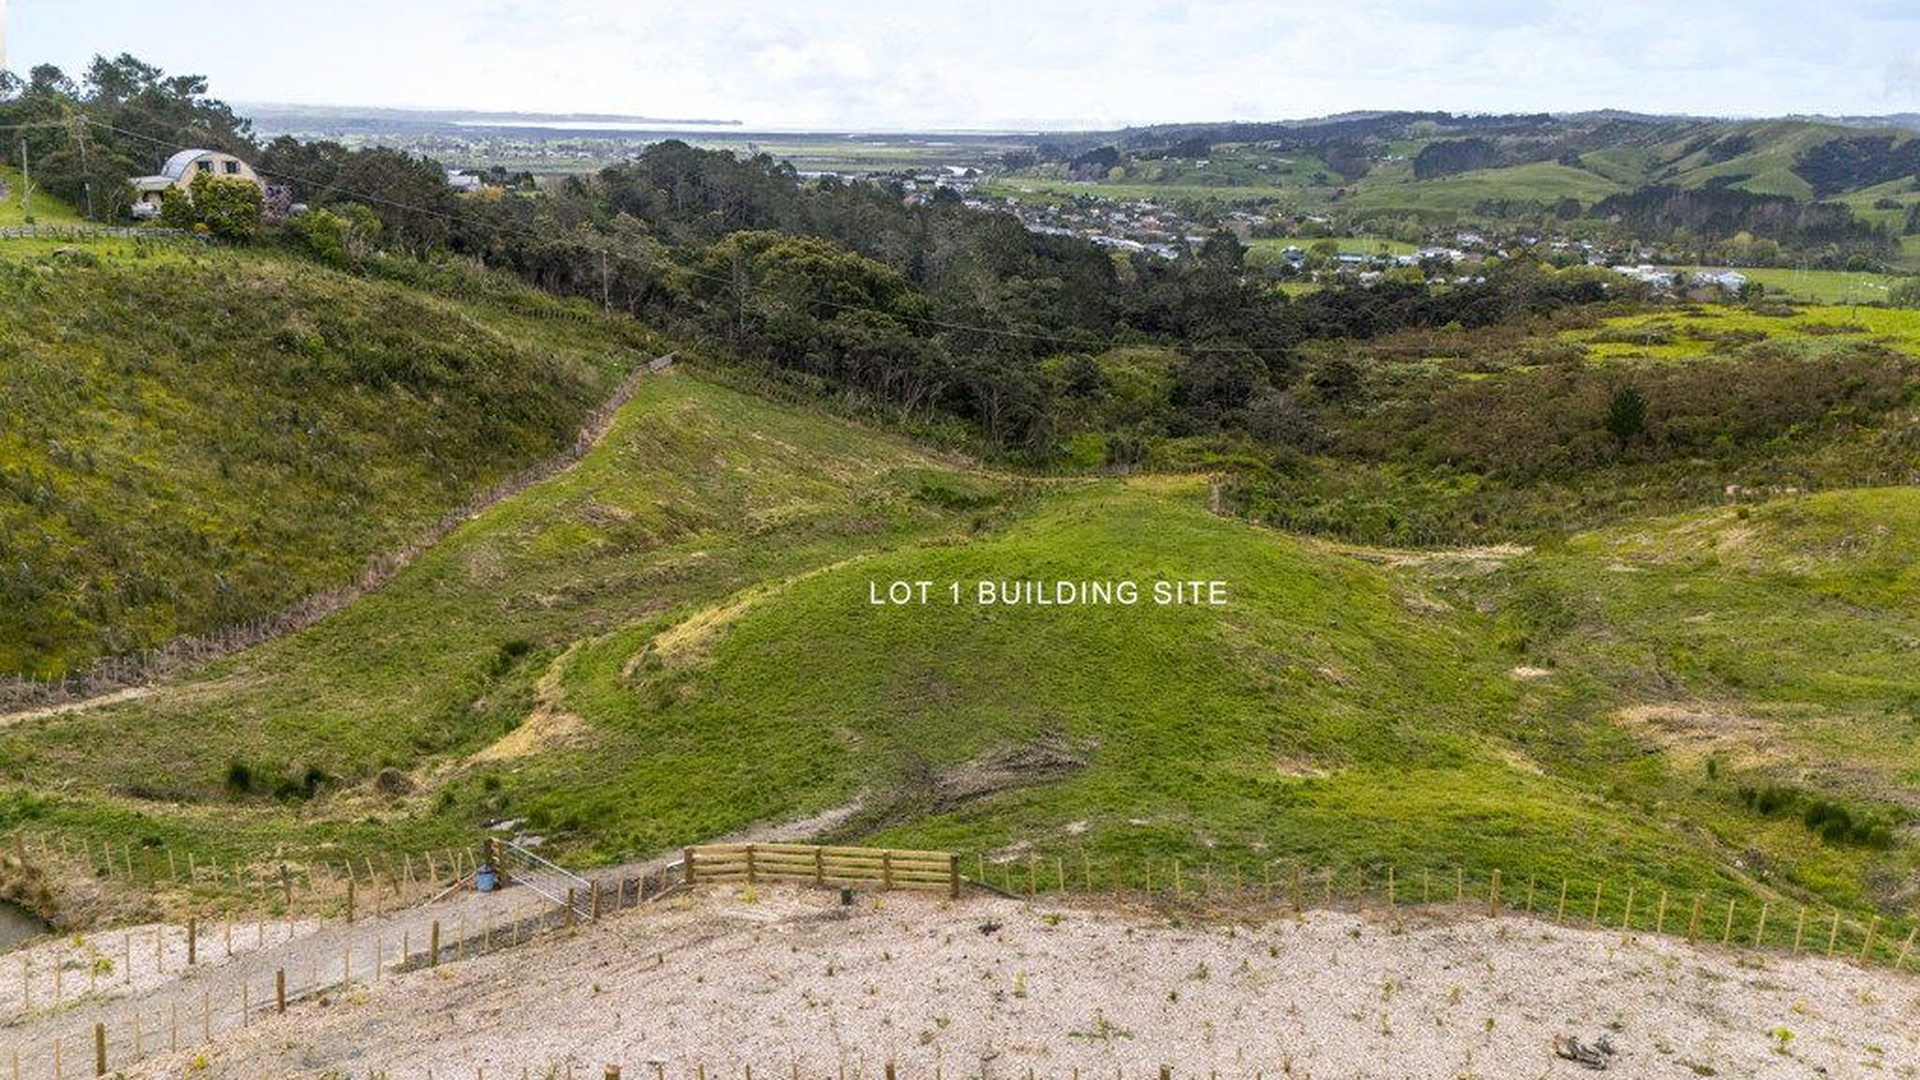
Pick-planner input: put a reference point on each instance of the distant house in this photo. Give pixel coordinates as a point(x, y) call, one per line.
point(465, 182)
point(1725, 280)
point(1653, 276)
point(180, 171)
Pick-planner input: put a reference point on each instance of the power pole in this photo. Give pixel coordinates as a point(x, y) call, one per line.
point(86, 175)
point(26, 181)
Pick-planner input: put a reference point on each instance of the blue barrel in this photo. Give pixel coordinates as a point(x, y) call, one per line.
point(486, 878)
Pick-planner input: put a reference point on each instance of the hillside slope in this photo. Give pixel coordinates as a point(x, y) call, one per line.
point(196, 437)
point(696, 491)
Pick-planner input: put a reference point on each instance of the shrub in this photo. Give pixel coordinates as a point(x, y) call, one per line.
point(228, 207)
point(239, 777)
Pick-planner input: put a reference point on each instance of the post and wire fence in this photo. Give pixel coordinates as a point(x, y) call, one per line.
point(107, 1001)
point(1597, 900)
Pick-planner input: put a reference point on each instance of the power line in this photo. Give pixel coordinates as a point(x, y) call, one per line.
point(605, 252)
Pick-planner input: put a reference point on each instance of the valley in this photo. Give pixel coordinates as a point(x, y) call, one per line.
point(1385, 594)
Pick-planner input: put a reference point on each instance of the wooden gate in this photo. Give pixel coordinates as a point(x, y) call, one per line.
point(888, 868)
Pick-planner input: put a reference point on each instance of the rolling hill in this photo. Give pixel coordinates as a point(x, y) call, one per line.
point(1440, 168)
point(201, 436)
point(676, 639)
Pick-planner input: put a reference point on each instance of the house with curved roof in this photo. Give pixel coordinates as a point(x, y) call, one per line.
point(180, 171)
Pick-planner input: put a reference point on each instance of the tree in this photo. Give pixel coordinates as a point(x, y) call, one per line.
point(1626, 415)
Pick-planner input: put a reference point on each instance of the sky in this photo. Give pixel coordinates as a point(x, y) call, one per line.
point(997, 64)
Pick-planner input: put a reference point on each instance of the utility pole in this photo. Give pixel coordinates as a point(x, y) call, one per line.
point(26, 181)
point(86, 175)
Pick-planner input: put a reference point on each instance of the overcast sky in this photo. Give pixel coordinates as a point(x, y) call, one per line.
point(1000, 63)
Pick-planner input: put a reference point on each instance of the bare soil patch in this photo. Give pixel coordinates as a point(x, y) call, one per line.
point(785, 978)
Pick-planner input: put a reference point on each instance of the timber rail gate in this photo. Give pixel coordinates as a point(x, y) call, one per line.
point(888, 868)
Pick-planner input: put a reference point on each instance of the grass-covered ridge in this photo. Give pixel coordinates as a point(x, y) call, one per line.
point(1325, 712)
point(695, 492)
point(196, 437)
point(674, 639)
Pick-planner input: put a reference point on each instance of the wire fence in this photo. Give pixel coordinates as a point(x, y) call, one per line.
point(94, 232)
point(107, 1001)
point(1610, 901)
point(371, 882)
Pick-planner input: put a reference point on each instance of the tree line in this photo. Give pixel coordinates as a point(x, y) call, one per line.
point(936, 310)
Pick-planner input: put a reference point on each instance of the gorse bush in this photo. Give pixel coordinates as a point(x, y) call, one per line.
point(1830, 820)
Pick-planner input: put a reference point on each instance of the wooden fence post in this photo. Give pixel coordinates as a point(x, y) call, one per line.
point(1799, 927)
point(613, 1072)
point(433, 958)
point(1760, 931)
point(349, 899)
point(99, 1049)
point(280, 990)
point(594, 890)
point(1872, 925)
point(1493, 896)
point(750, 866)
point(1693, 922)
point(1626, 920)
point(193, 940)
point(1833, 935)
point(953, 876)
point(286, 886)
point(686, 864)
point(1905, 949)
point(571, 900)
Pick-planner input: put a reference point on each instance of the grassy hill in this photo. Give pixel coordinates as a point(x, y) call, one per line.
point(200, 436)
point(1527, 160)
point(46, 210)
point(675, 639)
point(695, 492)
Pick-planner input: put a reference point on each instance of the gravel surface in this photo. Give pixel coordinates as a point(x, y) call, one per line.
point(785, 979)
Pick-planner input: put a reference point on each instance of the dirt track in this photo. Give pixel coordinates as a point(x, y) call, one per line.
point(994, 987)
